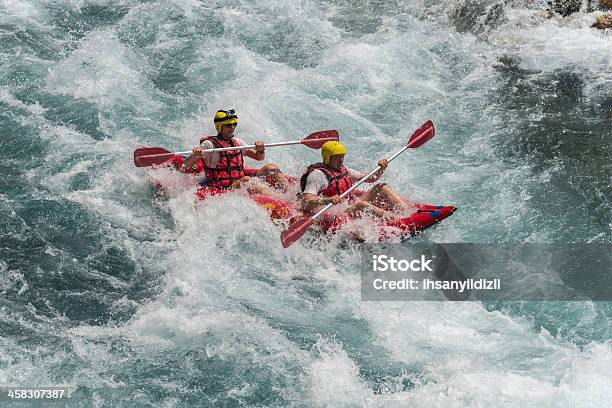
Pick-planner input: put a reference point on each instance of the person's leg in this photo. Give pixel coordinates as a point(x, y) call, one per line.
point(252, 185)
point(257, 190)
point(362, 206)
point(383, 196)
point(272, 173)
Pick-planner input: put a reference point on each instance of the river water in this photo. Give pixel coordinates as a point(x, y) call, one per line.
point(129, 299)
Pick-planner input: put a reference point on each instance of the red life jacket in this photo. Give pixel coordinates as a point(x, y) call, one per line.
point(230, 166)
point(338, 180)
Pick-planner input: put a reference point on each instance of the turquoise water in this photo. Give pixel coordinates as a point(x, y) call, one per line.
point(128, 299)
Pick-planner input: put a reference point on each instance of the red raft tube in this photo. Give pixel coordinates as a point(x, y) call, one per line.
point(425, 216)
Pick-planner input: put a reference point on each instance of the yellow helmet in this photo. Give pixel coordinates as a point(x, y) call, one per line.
point(225, 118)
point(330, 149)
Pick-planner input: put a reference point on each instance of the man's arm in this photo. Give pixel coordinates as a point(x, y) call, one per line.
point(311, 201)
point(192, 161)
point(315, 183)
point(259, 153)
point(198, 155)
point(374, 178)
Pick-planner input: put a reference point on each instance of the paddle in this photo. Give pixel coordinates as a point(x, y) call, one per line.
point(149, 156)
point(299, 227)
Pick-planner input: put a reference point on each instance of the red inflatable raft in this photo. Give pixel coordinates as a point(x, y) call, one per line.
point(424, 217)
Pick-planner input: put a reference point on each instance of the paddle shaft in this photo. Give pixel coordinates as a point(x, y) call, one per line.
point(370, 174)
point(224, 149)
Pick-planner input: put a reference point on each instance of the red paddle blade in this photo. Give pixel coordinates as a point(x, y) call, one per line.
point(149, 156)
point(295, 231)
point(422, 134)
point(317, 139)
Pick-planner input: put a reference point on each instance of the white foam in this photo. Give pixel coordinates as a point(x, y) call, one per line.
point(333, 378)
point(104, 71)
point(549, 44)
point(230, 289)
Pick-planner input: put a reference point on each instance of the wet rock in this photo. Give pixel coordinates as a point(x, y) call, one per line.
point(602, 22)
point(565, 7)
point(476, 16)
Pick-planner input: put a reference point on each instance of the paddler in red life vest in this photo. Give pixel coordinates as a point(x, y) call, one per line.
point(323, 183)
point(225, 170)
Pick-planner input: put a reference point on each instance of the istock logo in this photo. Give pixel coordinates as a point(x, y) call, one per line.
point(382, 263)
